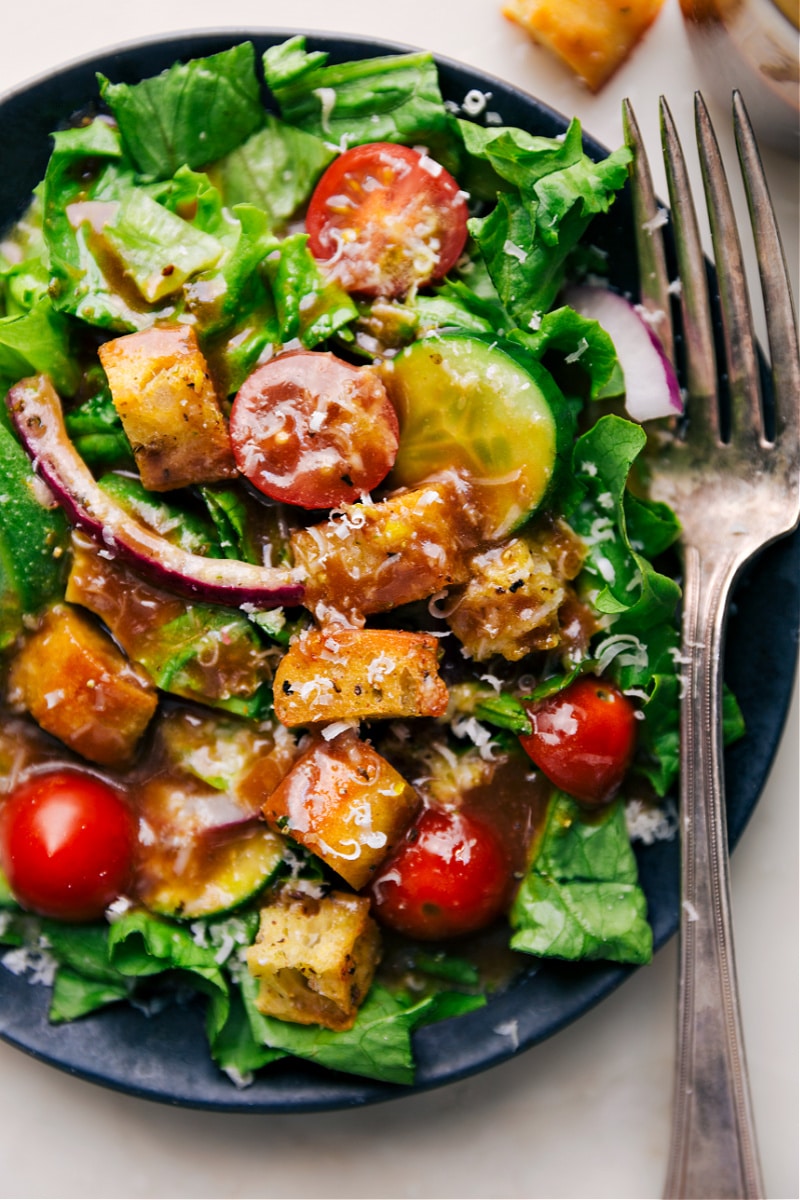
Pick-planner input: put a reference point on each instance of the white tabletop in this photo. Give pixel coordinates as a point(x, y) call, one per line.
point(586, 1114)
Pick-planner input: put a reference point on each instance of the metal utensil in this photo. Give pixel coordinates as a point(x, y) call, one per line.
point(734, 481)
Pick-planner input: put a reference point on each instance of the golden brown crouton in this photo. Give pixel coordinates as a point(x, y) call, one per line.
point(344, 803)
point(356, 674)
point(75, 682)
point(315, 959)
point(372, 557)
point(512, 603)
point(162, 390)
point(593, 37)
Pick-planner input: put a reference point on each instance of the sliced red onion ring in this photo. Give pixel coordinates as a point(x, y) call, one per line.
point(651, 385)
point(37, 414)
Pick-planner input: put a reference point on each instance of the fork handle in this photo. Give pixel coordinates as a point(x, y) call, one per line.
point(713, 1150)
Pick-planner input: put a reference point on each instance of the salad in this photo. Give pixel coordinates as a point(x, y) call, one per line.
point(339, 655)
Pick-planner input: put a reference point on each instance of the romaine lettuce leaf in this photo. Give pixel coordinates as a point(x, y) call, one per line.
point(309, 307)
point(38, 341)
point(189, 115)
point(580, 898)
point(379, 1044)
point(85, 979)
point(638, 604)
point(275, 170)
point(549, 192)
point(142, 945)
point(158, 250)
point(390, 99)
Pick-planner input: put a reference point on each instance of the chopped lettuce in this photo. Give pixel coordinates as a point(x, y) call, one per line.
point(189, 115)
point(379, 1044)
point(548, 192)
point(580, 898)
point(309, 307)
point(640, 644)
point(389, 99)
point(95, 428)
point(275, 170)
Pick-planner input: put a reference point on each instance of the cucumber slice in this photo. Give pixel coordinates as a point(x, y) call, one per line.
point(223, 870)
point(465, 405)
point(33, 538)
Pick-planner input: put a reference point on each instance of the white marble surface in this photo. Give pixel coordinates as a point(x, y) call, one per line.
point(586, 1114)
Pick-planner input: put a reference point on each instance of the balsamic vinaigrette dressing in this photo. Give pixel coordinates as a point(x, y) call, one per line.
point(512, 801)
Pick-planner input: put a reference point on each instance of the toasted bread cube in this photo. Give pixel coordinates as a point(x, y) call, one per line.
point(344, 803)
point(315, 959)
point(162, 390)
point(356, 674)
point(593, 37)
point(73, 680)
point(372, 557)
point(513, 600)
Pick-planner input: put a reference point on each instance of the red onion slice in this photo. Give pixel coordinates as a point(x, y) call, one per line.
point(651, 385)
point(37, 414)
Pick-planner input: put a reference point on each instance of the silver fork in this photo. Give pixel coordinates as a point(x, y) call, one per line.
point(733, 497)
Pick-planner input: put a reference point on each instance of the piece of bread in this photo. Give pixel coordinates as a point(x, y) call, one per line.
point(345, 803)
point(593, 37)
point(315, 959)
point(162, 389)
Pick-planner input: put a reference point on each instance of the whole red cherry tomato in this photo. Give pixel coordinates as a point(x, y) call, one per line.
point(386, 218)
point(583, 739)
point(309, 429)
point(450, 876)
point(67, 844)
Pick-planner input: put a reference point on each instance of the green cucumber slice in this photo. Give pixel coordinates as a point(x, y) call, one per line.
point(220, 873)
point(33, 538)
point(465, 405)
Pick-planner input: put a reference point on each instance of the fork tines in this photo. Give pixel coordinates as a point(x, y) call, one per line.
point(741, 364)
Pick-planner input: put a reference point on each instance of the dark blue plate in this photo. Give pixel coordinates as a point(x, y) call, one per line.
point(165, 1057)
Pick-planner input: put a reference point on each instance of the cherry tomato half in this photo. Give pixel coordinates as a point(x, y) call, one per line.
point(66, 844)
point(449, 877)
point(583, 739)
point(312, 430)
point(386, 218)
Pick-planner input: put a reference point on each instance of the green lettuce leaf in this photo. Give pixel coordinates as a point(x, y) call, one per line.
point(275, 170)
point(234, 1048)
point(87, 165)
point(97, 433)
point(379, 1044)
point(191, 114)
point(75, 995)
point(390, 99)
point(85, 980)
point(39, 341)
point(142, 945)
point(640, 646)
point(308, 306)
point(580, 898)
point(157, 249)
point(550, 190)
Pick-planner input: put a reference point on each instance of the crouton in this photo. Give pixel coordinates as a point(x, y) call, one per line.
point(344, 803)
point(73, 680)
point(369, 558)
point(593, 37)
point(358, 674)
point(162, 390)
point(315, 959)
point(513, 601)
